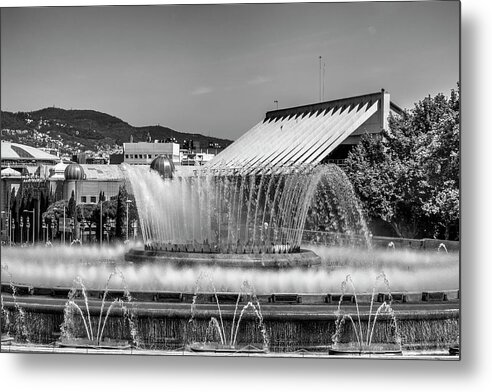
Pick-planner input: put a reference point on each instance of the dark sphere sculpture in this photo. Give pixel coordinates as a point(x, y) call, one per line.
point(164, 166)
point(74, 172)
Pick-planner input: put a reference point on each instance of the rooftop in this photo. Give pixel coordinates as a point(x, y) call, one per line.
point(307, 134)
point(21, 152)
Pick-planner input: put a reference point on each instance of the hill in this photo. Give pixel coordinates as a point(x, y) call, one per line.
point(80, 130)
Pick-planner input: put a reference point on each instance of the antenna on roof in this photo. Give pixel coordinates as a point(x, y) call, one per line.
point(323, 92)
point(319, 81)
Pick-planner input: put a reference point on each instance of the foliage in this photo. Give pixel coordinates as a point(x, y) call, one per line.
point(409, 177)
point(121, 209)
point(71, 206)
point(121, 213)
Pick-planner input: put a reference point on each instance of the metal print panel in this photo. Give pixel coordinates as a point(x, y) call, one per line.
point(254, 180)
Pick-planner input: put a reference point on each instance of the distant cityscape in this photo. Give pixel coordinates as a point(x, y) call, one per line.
point(94, 137)
point(52, 156)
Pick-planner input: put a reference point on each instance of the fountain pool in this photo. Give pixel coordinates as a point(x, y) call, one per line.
point(237, 225)
point(407, 270)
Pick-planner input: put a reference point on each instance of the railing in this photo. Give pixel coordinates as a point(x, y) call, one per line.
point(339, 162)
point(338, 239)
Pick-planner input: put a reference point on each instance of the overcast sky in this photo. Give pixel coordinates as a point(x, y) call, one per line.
point(216, 69)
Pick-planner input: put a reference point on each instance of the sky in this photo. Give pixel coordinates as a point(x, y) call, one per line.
point(216, 69)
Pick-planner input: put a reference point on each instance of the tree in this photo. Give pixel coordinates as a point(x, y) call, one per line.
point(13, 209)
point(71, 206)
point(121, 229)
point(409, 177)
point(85, 213)
point(108, 212)
point(441, 161)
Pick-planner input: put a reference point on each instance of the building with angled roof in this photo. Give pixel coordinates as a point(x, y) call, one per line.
point(310, 134)
point(24, 158)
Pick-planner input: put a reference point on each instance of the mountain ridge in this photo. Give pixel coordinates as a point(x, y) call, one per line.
point(73, 130)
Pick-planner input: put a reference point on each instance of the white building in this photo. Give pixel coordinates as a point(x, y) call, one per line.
point(196, 158)
point(142, 153)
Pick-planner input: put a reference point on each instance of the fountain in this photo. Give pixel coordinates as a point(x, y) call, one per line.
point(236, 225)
point(19, 326)
point(94, 337)
point(442, 247)
point(229, 341)
point(241, 218)
point(364, 345)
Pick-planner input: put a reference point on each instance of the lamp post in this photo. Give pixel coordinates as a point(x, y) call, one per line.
point(12, 226)
point(127, 228)
point(11, 222)
point(28, 226)
point(44, 226)
point(64, 224)
point(101, 222)
point(134, 226)
point(6, 220)
point(33, 225)
point(21, 227)
point(71, 231)
point(52, 230)
point(106, 227)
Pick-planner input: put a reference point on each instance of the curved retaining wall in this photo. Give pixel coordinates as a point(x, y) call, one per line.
point(291, 324)
point(304, 258)
point(231, 297)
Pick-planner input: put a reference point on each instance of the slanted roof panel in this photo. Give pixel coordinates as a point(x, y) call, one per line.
point(297, 136)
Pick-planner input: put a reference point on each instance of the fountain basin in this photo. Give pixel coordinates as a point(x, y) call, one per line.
point(226, 348)
point(303, 258)
point(372, 349)
point(107, 344)
point(290, 327)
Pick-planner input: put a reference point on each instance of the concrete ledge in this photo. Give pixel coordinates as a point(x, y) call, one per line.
point(312, 299)
point(42, 291)
point(413, 297)
point(335, 298)
point(19, 289)
point(167, 297)
point(227, 298)
point(296, 313)
point(231, 297)
point(143, 296)
point(285, 298)
point(364, 298)
point(433, 296)
point(394, 297)
point(452, 295)
point(201, 298)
